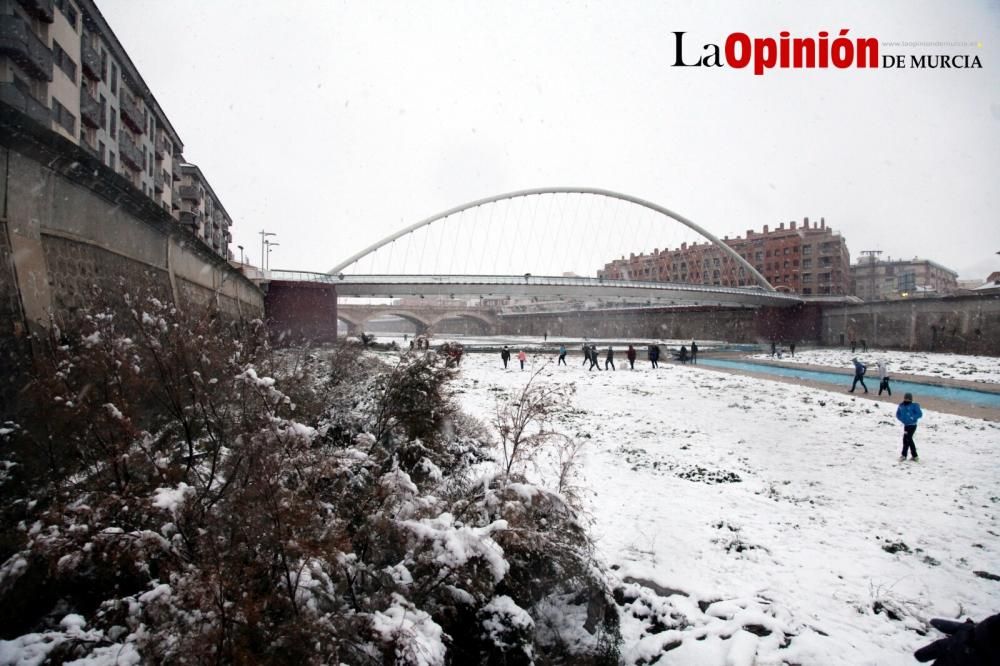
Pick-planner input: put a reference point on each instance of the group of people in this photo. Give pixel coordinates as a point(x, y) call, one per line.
point(908, 412)
point(859, 376)
point(591, 356)
point(505, 356)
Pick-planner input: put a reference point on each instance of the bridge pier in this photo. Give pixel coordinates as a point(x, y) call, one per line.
point(301, 311)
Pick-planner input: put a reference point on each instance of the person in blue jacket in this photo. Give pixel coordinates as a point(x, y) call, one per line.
point(859, 375)
point(908, 414)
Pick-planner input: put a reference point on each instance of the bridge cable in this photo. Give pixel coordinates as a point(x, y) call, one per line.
point(544, 227)
point(529, 265)
point(486, 243)
point(409, 247)
point(389, 261)
point(423, 250)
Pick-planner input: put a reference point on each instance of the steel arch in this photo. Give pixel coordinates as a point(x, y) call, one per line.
point(761, 280)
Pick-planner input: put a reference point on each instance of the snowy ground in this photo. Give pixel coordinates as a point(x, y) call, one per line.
point(984, 369)
point(773, 522)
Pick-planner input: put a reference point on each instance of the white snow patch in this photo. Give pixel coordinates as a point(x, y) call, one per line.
point(418, 638)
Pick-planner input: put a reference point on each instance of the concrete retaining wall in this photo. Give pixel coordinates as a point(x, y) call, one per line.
point(70, 226)
point(960, 324)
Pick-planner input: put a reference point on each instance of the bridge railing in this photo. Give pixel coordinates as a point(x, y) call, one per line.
point(527, 279)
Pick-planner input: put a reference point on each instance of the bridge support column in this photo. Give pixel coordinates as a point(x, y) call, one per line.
point(301, 311)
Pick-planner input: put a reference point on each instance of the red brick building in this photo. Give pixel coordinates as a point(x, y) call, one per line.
point(804, 259)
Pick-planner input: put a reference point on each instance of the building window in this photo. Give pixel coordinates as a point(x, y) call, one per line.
point(104, 65)
point(807, 250)
point(113, 129)
point(114, 79)
point(104, 113)
point(63, 117)
point(63, 61)
point(68, 10)
point(100, 150)
point(111, 160)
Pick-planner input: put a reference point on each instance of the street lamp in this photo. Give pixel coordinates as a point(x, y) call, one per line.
point(263, 242)
point(241, 254)
point(269, 246)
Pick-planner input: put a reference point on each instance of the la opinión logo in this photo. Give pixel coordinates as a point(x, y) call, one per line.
point(786, 52)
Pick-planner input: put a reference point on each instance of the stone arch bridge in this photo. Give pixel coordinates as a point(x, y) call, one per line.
point(424, 318)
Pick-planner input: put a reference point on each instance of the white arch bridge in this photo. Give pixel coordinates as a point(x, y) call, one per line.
point(492, 240)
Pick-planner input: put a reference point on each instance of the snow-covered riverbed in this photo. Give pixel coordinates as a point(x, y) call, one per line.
point(774, 519)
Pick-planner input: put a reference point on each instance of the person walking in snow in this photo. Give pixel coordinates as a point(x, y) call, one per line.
point(883, 377)
point(586, 353)
point(682, 355)
point(694, 351)
point(522, 357)
point(562, 354)
point(630, 355)
point(791, 348)
point(859, 375)
point(594, 360)
point(908, 413)
point(610, 359)
point(505, 356)
point(774, 348)
point(654, 355)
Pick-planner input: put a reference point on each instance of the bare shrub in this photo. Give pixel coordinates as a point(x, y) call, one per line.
point(192, 496)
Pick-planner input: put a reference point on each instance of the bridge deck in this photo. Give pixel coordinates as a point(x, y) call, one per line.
point(530, 285)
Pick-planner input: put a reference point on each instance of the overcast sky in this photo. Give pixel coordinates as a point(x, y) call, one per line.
point(335, 124)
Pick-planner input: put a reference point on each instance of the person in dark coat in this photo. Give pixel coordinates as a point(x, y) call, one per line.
point(694, 351)
point(610, 359)
point(774, 348)
point(630, 355)
point(562, 354)
point(594, 360)
point(586, 353)
point(682, 355)
point(654, 355)
point(908, 413)
point(791, 348)
point(505, 356)
point(859, 375)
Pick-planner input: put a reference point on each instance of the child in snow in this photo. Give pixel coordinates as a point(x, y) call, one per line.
point(908, 414)
point(522, 357)
point(859, 375)
point(883, 377)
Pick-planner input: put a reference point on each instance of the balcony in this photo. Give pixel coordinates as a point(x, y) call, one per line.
point(131, 114)
point(20, 43)
point(189, 218)
point(190, 192)
point(23, 101)
point(158, 182)
point(161, 146)
point(40, 9)
point(91, 60)
point(90, 110)
point(129, 152)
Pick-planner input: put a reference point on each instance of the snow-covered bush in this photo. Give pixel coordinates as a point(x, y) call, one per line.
point(182, 493)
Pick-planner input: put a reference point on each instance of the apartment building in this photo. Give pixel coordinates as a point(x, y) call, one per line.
point(63, 67)
point(804, 259)
point(877, 280)
point(201, 210)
